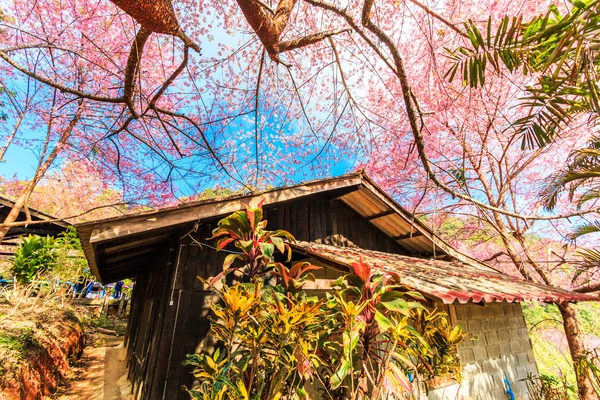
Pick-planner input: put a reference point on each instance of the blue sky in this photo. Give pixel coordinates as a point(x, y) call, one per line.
point(21, 160)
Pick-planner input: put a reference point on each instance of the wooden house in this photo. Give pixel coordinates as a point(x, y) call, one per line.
point(41, 224)
point(335, 221)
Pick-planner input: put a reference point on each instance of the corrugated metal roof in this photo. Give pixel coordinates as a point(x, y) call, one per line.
point(446, 280)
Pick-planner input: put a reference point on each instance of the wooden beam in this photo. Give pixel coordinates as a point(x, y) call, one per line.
point(120, 266)
point(35, 214)
point(408, 236)
point(102, 250)
point(126, 226)
point(128, 255)
point(433, 239)
point(381, 215)
point(16, 232)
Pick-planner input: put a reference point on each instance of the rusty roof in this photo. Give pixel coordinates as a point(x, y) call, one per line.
point(32, 221)
point(446, 280)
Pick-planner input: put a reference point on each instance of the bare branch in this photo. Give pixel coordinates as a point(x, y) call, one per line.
point(308, 40)
point(56, 85)
point(439, 17)
point(588, 288)
point(133, 62)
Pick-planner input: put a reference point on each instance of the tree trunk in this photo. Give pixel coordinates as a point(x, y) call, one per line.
point(577, 350)
point(16, 210)
point(41, 170)
point(154, 15)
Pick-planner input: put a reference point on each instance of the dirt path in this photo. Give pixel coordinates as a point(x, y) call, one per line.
point(100, 374)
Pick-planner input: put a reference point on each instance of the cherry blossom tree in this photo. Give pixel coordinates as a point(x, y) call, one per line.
point(173, 92)
point(474, 151)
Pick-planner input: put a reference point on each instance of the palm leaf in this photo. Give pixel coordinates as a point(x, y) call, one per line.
point(583, 170)
point(590, 261)
point(563, 49)
point(585, 229)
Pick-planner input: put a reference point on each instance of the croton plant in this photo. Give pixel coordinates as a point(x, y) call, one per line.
point(368, 336)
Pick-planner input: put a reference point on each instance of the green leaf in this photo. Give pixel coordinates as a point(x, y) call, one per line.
point(230, 259)
point(245, 245)
point(397, 305)
point(278, 242)
point(456, 335)
point(340, 373)
point(267, 249)
point(383, 322)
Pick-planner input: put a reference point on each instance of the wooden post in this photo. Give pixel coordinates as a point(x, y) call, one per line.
point(104, 308)
point(122, 304)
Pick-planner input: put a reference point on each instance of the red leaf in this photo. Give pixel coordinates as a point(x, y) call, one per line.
point(362, 270)
point(223, 243)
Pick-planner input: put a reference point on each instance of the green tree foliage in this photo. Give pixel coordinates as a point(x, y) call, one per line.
point(33, 257)
point(38, 256)
point(580, 180)
point(562, 50)
point(276, 340)
point(556, 370)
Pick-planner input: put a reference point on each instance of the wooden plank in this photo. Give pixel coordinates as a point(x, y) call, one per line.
point(145, 323)
point(332, 217)
point(390, 229)
point(313, 221)
point(177, 354)
point(128, 255)
point(317, 225)
point(163, 291)
point(201, 265)
point(188, 272)
point(381, 215)
point(342, 220)
point(373, 200)
point(302, 217)
point(195, 339)
point(126, 226)
point(408, 236)
point(110, 249)
point(279, 220)
point(212, 269)
point(323, 215)
point(157, 288)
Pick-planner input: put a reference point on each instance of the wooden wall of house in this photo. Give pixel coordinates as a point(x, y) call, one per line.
point(170, 307)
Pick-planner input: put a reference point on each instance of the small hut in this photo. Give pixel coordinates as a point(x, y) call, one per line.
point(335, 221)
point(40, 224)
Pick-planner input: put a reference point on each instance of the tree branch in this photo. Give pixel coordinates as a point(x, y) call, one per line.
point(133, 62)
point(588, 288)
point(439, 17)
point(59, 86)
point(308, 40)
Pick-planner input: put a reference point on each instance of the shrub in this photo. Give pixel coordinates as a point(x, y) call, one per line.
point(276, 341)
point(33, 257)
point(59, 258)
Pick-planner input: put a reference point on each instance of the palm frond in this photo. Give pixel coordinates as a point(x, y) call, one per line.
point(583, 170)
point(590, 262)
point(589, 195)
point(551, 106)
point(563, 49)
point(502, 48)
point(568, 180)
point(586, 229)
